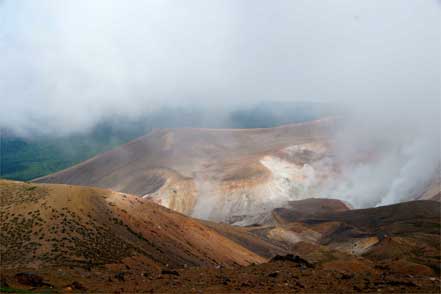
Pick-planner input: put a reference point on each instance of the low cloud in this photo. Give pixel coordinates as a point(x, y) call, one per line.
point(66, 65)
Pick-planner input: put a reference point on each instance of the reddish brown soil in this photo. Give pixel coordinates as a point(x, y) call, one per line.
point(44, 225)
point(272, 277)
point(77, 239)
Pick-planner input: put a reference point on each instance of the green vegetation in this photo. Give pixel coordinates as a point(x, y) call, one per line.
point(266, 115)
point(25, 160)
point(28, 158)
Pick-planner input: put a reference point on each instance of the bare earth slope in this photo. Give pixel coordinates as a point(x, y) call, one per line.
point(307, 208)
point(243, 173)
point(235, 176)
point(71, 238)
point(404, 235)
point(45, 225)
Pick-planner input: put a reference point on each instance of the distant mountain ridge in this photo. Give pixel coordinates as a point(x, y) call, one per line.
point(193, 170)
point(38, 153)
point(235, 176)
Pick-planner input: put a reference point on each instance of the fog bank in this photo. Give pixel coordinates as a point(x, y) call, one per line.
point(68, 65)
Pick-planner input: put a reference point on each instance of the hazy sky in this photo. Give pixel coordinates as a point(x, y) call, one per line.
point(66, 64)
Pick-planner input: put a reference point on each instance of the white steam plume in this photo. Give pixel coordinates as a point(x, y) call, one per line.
point(388, 158)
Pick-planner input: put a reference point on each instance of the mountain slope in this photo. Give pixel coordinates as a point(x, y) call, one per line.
point(241, 171)
point(71, 238)
point(235, 176)
point(58, 225)
point(406, 235)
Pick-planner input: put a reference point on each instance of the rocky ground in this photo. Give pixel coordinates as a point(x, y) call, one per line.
point(62, 238)
point(281, 276)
